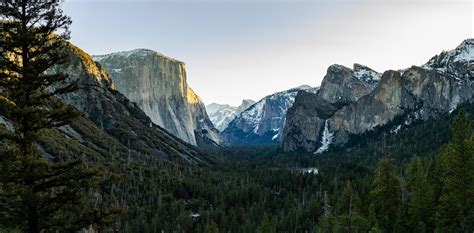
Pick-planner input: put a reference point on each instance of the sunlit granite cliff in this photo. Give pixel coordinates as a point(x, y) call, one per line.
point(158, 84)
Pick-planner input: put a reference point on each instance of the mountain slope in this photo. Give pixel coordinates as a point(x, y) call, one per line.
point(158, 84)
point(262, 122)
point(423, 93)
point(222, 114)
point(113, 113)
point(115, 135)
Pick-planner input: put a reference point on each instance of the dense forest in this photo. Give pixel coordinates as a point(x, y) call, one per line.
point(378, 187)
point(418, 179)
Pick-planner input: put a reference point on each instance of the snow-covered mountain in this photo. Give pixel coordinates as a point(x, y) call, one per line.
point(222, 114)
point(262, 122)
point(458, 63)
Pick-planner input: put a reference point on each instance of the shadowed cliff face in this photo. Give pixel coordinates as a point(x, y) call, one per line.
point(307, 117)
point(417, 93)
point(113, 113)
point(304, 121)
point(158, 84)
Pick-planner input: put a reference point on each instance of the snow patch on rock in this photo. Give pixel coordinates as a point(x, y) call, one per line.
point(366, 74)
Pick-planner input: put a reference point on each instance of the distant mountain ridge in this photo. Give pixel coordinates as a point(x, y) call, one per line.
point(158, 84)
point(222, 114)
point(351, 104)
point(262, 122)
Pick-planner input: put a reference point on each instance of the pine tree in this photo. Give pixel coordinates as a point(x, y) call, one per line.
point(326, 221)
point(385, 196)
point(350, 219)
point(265, 225)
point(38, 194)
point(421, 196)
point(456, 165)
point(213, 227)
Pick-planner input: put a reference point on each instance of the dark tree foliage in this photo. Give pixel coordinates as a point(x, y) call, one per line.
point(456, 173)
point(264, 190)
point(258, 189)
point(386, 196)
point(38, 191)
point(420, 204)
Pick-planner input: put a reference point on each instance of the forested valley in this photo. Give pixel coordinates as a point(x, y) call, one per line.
point(417, 181)
point(76, 155)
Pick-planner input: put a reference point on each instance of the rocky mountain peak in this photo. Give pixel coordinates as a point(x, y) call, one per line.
point(342, 85)
point(158, 84)
point(137, 53)
point(366, 74)
point(302, 87)
point(246, 103)
point(464, 52)
point(458, 62)
point(352, 102)
point(222, 114)
point(216, 107)
point(336, 68)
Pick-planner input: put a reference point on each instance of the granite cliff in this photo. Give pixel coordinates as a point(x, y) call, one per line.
point(115, 116)
point(344, 108)
point(158, 84)
point(306, 119)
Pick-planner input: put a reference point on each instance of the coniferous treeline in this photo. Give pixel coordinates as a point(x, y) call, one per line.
point(266, 191)
point(404, 183)
point(424, 195)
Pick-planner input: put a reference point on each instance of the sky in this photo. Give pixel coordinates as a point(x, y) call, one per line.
point(247, 49)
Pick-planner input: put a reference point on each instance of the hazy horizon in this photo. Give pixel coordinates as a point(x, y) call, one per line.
point(237, 50)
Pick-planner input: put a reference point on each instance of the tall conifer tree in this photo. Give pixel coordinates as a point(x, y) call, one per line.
point(421, 196)
point(386, 196)
point(456, 203)
point(37, 194)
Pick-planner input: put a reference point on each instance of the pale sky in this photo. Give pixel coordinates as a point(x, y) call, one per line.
point(247, 49)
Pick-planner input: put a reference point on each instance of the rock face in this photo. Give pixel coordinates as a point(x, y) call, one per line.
point(416, 93)
point(222, 114)
point(262, 123)
point(158, 84)
point(306, 119)
point(342, 85)
point(304, 122)
point(120, 118)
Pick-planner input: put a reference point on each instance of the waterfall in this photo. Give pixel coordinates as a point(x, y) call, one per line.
point(326, 139)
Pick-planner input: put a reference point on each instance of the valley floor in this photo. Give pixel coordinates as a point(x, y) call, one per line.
point(400, 183)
